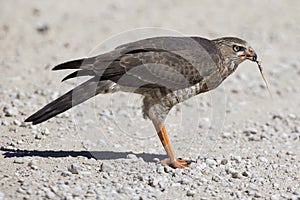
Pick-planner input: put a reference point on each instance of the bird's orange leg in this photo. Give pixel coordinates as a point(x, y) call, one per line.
point(172, 161)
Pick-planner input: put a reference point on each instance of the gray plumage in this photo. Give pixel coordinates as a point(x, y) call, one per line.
point(166, 70)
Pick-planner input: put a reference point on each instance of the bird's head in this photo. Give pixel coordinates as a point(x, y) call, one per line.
point(235, 50)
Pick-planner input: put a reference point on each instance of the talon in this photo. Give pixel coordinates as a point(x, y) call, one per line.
point(178, 163)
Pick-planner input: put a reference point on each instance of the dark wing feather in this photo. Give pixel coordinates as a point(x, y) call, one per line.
point(152, 69)
point(171, 62)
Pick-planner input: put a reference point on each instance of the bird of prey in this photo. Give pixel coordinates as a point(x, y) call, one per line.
point(165, 70)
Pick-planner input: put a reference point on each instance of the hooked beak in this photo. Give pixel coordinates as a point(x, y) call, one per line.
point(250, 55)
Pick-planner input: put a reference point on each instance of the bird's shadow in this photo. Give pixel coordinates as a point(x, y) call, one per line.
point(98, 155)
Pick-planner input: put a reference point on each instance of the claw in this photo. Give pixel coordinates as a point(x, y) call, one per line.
point(178, 163)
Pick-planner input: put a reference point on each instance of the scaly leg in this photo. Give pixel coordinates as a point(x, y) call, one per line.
point(172, 161)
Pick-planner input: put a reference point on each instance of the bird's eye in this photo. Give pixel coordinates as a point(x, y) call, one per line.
point(237, 48)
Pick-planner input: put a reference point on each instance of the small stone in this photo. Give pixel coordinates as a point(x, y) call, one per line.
point(190, 193)
point(1, 195)
point(73, 168)
point(66, 173)
point(284, 135)
point(12, 130)
point(285, 195)
point(224, 183)
point(227, 135)
point(29, 191)
point(10, 111)
point(292, 116)
point(163, 182)
point(216, 178)
point(237, 159)
point(160, 169)
point(21, 190)
point(275, 197)
point(17, 122)
point(290, 153)
point(50, 195)
point(20, 142)
point(19, 161)
point(45, 131)
point(33, 164)
point(250, 130)
point(263, 159)
point(246, 174)
point(169, 169)
point(235, 175)
point(42, 27)
point(275, 185)
point(257, 195)
point(210, 162)
point(132, 156)
point(4, 123)
point(224, 161)
point(253, 186)
point(38, 136)
point(153, 182)
point(105, 167)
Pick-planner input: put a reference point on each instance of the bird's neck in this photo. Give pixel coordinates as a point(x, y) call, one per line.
point(229, 67)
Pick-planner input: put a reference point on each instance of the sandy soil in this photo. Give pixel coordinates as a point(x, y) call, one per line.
point(244, 144)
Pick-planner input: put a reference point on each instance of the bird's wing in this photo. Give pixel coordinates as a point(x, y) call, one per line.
point(171, 62)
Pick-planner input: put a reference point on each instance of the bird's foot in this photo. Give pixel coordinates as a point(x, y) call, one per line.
point(178, 163)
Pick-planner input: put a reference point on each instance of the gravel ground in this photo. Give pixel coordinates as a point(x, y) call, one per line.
point(243, 143)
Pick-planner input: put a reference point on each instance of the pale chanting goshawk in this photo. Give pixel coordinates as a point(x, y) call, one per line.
point(165, 70)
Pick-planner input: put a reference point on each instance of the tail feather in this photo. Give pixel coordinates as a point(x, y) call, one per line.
point(79, 73)
point(75, 64)
point(72, 98)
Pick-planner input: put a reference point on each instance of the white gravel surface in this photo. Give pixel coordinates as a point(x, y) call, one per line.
point(243, 143)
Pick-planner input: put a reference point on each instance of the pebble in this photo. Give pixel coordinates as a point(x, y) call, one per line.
point(210, 162)
point(224, 161)
point(19, 161)
point(50, 195)
point(17, 122)
point(1, 195)
point(45, 131)
point(262, 159)
point(105, 167)
point(66, 173)
point(275, 185)
point(74, 169)
point(33, 164)
point(190, 193)
point(224, 183)
point(4, 123)
point(21, 190)
point(250, 130)
point(132, 156)
point(235, 175)
point(246, 174)
point(275, 197)
point(216, 178)
point(227, 135)
point(42, 27)
point(253, 186)
point(38, 136)
point(160, 169)
point(10, 111)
